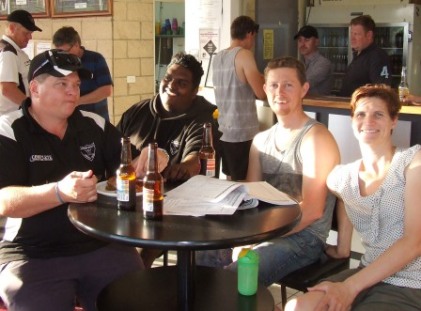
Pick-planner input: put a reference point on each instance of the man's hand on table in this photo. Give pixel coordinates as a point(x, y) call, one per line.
point(141, 162)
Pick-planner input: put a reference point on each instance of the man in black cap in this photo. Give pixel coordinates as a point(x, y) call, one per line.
point(319, 70)
point(50, 155)
point(14, 62)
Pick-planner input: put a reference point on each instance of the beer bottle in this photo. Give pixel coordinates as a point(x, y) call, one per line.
point(207, 152)
point(126, 178)
point(153, 196)
point(403, 86)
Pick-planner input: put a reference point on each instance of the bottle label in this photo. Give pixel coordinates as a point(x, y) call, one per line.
point(123, 190)
point(148, 196)
point(403, 93)
point(210, 168)
point(207, 167)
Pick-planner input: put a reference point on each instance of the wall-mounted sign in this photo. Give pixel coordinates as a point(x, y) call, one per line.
point(38, 8)
point(66, 8)
point(209, 41)
point(268, 44)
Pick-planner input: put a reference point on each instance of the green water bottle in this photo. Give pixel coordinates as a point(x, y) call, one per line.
point(248, 271)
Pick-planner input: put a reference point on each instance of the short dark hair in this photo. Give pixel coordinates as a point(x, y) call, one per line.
point(243, 25)
point(287, 62)
point(381, 91)
point(66, 35)
point(365, 21)
point(189, 62)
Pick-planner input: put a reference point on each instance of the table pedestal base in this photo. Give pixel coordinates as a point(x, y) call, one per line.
point(156, 289)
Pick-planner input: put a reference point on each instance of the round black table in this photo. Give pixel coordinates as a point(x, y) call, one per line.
point(186, 234)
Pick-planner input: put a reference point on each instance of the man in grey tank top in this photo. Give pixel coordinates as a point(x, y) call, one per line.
point(295, 155)
point(237, 82)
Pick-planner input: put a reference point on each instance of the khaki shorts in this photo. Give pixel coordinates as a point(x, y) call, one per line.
point(382, 296)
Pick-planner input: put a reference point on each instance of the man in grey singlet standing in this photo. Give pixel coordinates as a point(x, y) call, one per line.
point(237, 82)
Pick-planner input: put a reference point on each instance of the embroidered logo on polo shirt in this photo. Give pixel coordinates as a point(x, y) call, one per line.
point(41, 158)
point(88, 151)
point(174, 147)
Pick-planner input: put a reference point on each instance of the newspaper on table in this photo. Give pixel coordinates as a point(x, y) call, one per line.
point(201, 195)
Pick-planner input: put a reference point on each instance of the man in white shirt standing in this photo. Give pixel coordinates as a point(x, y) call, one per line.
point(14, 63)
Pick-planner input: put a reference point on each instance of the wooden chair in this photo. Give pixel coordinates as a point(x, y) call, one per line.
point(310, 275)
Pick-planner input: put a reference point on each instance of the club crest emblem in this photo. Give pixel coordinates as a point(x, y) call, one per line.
point(174, 147)
point(88, 151)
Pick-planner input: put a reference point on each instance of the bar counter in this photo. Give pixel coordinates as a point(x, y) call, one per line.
point(343, 103)
point(326, 106)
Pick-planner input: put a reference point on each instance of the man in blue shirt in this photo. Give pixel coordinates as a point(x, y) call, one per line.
point(93, 93)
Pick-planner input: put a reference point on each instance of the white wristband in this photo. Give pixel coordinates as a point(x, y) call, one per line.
point(58, 196)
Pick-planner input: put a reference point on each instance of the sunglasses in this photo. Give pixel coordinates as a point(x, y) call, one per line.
point(61, 61)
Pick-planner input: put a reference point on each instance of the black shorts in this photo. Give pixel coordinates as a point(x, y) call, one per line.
point(235, 159)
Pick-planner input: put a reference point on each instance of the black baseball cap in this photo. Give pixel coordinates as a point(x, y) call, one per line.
point(24, 18)
point(307, 32)
point(57, 63)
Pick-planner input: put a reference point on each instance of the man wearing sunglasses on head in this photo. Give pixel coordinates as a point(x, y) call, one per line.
point(50, 155)
point(14, 62)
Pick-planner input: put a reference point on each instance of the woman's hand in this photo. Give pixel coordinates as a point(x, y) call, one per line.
point(337, 296)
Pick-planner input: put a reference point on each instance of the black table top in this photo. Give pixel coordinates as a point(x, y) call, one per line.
point(105, 222)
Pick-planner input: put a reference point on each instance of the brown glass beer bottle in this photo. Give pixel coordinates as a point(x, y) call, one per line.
point(207, 152)
point(153, 196)
point(126, 178)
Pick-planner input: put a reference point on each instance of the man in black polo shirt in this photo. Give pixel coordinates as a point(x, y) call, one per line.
point(173, 118)
point(50, 155)
point(370, 64)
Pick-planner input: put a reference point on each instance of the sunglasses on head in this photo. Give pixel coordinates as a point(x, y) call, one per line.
point(61, 61)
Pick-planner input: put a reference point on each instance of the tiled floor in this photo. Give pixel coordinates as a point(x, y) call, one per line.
point(274, 289)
